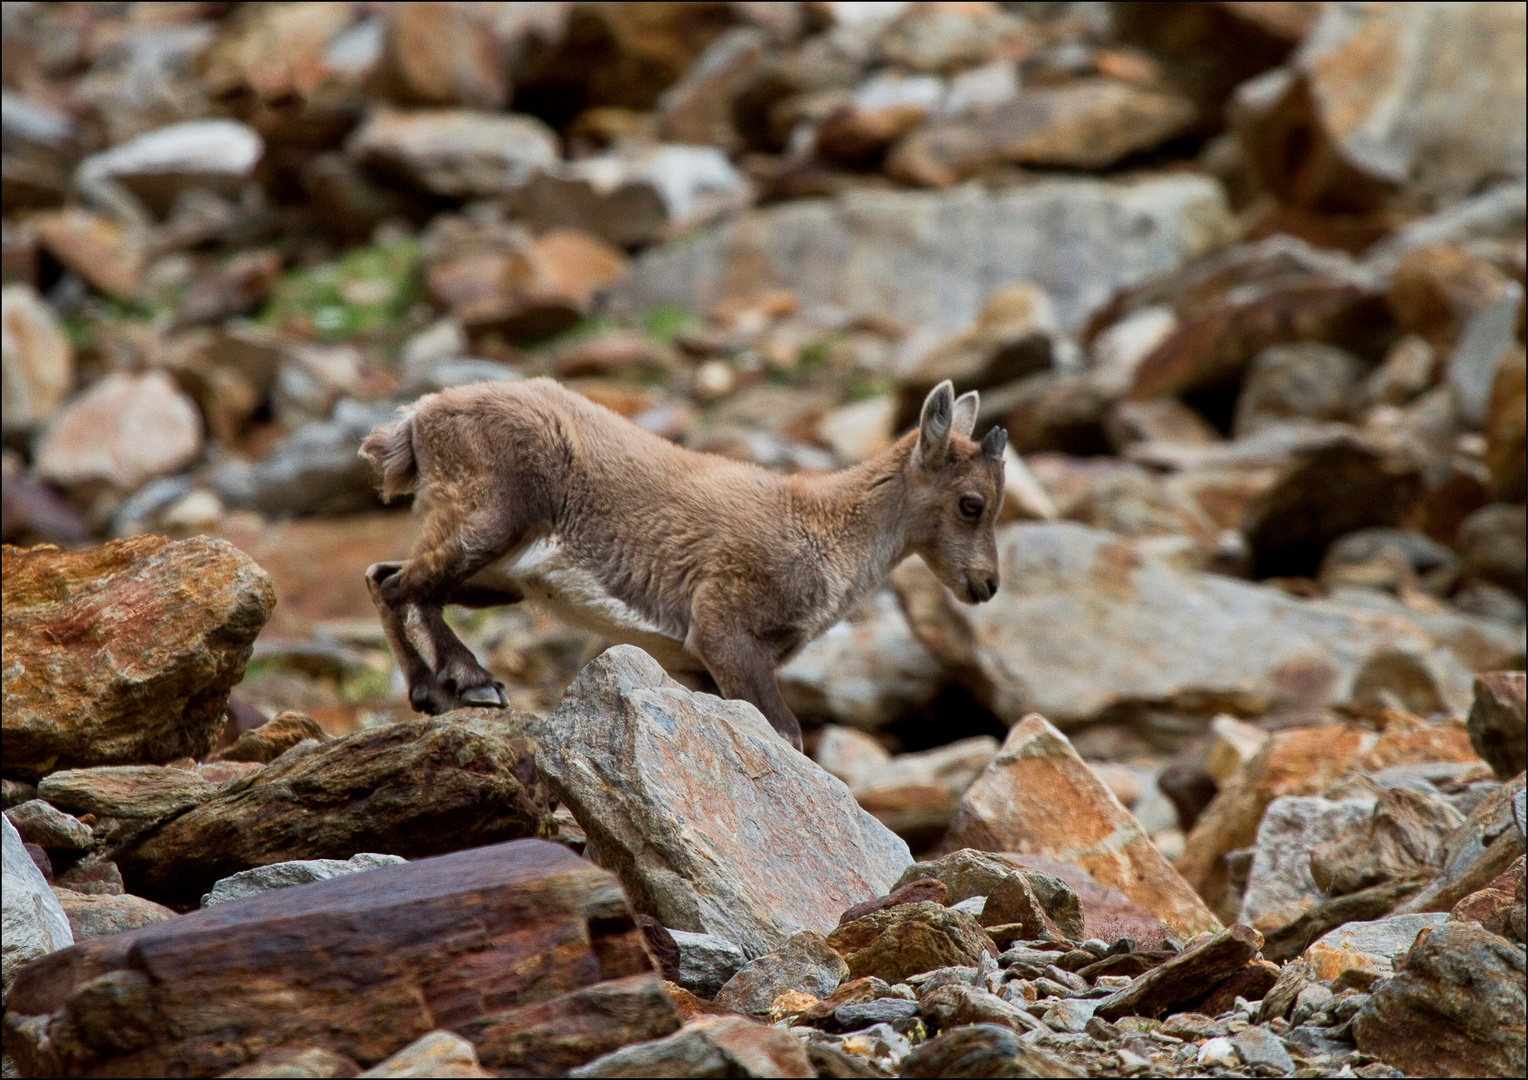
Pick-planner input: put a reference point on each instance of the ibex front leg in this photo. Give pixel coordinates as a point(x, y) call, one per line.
point(453, 547)
point(744, 669)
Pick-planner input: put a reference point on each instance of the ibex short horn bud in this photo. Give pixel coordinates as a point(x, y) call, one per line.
point(994, 443)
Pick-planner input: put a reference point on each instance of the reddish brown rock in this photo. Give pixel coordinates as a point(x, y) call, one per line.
point(1037, 797)
point(1498, 907)
point(1107, 914)
point(1250, 983)
point(1181, 980)
point(416, 788)
point(1303, 761)
point(983, 1049)
point(905, 940)
point(523, 948)
point(124, 653)
point(271, 739)
point(923, 890)
point(1455, 1008)
point(1507, 426)
point(97, 249)
point(1498, 721)
point(1217, 337)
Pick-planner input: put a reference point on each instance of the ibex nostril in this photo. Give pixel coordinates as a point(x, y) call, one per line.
point(992, 586)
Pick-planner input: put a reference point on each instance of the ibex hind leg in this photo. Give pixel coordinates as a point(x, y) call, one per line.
point(459, 538)
point(423, 693)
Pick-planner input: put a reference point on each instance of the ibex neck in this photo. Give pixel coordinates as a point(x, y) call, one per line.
point(861, 516)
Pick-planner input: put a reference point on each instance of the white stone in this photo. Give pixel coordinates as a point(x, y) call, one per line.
point(124, 431)
point(283, 875)
point(36, 359)
point(34, 921)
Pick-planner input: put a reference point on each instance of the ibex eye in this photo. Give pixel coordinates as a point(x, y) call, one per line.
point(971, 507)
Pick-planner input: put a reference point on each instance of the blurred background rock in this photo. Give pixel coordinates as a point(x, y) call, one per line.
point(1245, 283)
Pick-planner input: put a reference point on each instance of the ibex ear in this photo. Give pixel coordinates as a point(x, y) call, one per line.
point(967, 405)
point(993, 444)
point(934, 424)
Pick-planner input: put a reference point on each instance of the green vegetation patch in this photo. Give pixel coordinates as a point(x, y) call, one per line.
point(362, 292)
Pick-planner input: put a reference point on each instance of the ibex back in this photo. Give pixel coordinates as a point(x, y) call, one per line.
point(529, 491)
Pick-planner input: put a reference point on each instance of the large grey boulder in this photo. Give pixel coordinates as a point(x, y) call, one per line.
point(934, 258)
point(1085, 622)
point(34, 923)
point(713, 822)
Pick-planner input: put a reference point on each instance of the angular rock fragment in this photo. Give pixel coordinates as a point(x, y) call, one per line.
point(1037, 797)
point(1498, 721)
point(414, 788)
point(1478, 851)
point(37, 360)
point(917, 795)
point(1499, 907)
point(747, 840)
point(284, 875)
point(315, 470)
point(313, 1061)
point(458, 153)
point(982, 1050)
point(124, 653)
point(1280, 887)
point(1367, 946)
point(804, 963)
point(49, 828)
point(361, 966)
point(1403, 837)
point(1303, 761)
point(1185, 977)
point(1210, 639)
point(34, 923)
point(1455, 1008)
point(909, 939)
point(122, 432)
point(917, 891)
point(851, 253)
point(711, 1046)
point(271, 739)
point(99, 916)
point(149, 792)
point(440, 1053)
point(705, 962)
point(1014, 893)
point(216, 155)
point(1292, 939)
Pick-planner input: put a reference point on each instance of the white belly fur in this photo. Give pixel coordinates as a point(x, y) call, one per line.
point(544, 573)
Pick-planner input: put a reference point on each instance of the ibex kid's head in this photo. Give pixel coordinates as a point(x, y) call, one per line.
point(955, 491)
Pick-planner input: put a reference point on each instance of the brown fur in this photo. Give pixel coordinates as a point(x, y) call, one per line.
point(725, 566)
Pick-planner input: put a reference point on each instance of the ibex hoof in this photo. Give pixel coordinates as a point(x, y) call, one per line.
point(487, 696)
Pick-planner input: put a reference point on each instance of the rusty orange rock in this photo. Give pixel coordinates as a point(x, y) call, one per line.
point(124, 654)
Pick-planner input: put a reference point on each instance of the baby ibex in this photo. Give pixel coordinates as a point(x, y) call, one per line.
point(530, 491)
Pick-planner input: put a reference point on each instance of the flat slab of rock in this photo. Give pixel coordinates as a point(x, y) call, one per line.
point(711, 1046)
point(1086, 621)
point(92, 916)
point(51, 829)
point(123, 654)
point(34, 923)
point(1455, 1009)
point(125, 791)
point(1189, 975)
point(852, 254)
point(525, 950)
point(1367, 946)
point(415, 788)
point(1038, 797)
point(713, 822)
point(284, 875)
